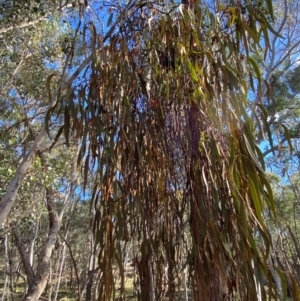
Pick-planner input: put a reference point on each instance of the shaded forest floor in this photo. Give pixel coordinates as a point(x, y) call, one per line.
point(68, 294)
point(16, 289)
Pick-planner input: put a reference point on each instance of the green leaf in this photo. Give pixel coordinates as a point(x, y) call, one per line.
point(270, 9)
point(250, 31)
point(110, 19)
point(256, 70)
point(256, 200)
point(288, 136)
point(252, 154)
point(263, 109)
point(264, 21)
point(56, 137)
point(48, 87)
point(269, 198)
point(296, 293)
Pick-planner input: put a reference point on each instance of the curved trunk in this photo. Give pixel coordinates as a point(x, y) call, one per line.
point(36, 289)
point(11, 194)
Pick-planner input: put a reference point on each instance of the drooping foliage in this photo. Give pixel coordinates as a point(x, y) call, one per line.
point(162, 118)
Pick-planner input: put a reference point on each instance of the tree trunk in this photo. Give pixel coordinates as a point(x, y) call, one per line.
point(91, 271)
point(24, 256)
point(11, 268)
point(42, 271)
point(273, 262)
point(208, 282)
point(89, 286)
point(171, 283)
point(49, 285)
point(91, 266)
point(145, 272)
point(5, 269)
point(32, 243)
point(10, 196)
point(61, 266)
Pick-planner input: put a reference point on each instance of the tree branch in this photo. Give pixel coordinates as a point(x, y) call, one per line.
point(11, 194)
point(275, 148)
point(40, 280)
point(46, 146)
point(24, 256)
point(74, 264)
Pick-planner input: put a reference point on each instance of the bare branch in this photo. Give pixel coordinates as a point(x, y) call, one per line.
point(275, 148)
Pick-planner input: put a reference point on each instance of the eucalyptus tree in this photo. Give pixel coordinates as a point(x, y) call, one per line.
point(36, 222)
point(163, 119)
point(279, 71)
point(280, 104)
point(31, 56)
point(284, 108)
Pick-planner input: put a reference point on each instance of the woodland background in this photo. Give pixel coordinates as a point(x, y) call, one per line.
point(149, 150)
